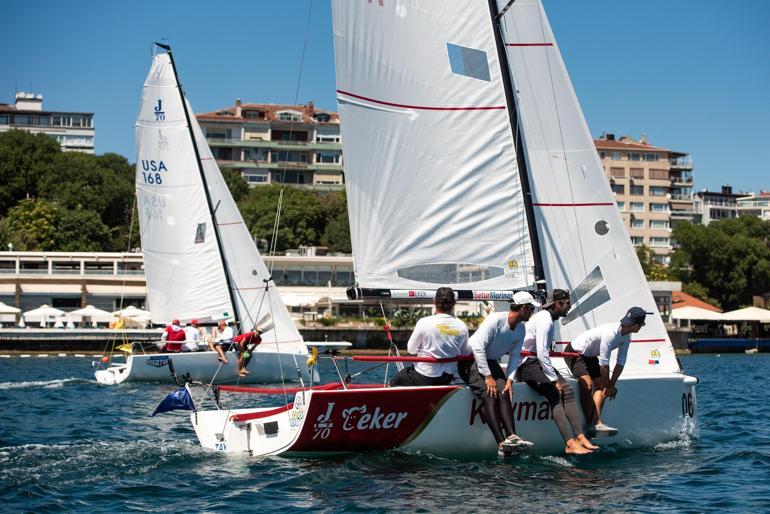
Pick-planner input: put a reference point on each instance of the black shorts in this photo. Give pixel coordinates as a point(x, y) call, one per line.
point(477, 383)
point(531, 373)
point(227, 347)
point(411, 377)
point(582, 365)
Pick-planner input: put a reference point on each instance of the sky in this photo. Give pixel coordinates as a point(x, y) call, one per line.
point(694, 75)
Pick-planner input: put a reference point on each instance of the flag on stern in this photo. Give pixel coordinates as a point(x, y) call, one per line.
point(178, 400)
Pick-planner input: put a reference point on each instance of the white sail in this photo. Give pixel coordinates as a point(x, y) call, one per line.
point(433, 186)
point(186, 277)
point(584, 245)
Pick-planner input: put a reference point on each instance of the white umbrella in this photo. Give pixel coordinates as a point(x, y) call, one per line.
point(42, 314)
point(89, 311)
point(748, 314)
point(7, 309)
point(690, 312)
point(132, 312)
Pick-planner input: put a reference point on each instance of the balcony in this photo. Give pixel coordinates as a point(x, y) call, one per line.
point(302, 146)
point(682, 163)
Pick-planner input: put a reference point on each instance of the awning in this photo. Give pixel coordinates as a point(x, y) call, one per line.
point(100, 289)
point(748, 314)
point(696, 313)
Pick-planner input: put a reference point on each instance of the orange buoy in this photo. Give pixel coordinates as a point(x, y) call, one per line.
point(105, 359)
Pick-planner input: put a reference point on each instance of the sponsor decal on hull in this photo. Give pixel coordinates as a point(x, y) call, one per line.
point(368, 420)
point(533, 410)
point(157, 362)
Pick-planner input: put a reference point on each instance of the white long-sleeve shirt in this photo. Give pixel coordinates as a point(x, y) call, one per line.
point(539, 340)
point(600, 341)
point(441, 336)
point(493, 339)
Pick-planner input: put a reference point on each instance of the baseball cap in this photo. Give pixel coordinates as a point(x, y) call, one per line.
point(557, 295)
point(175, 322)
point(194, 322)
point(634, 316)
point(523, 298)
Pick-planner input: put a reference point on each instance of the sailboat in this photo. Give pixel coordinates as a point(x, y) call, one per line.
point(200, 260)
point(469, 164)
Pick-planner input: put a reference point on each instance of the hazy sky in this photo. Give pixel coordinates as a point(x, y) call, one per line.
point(694, 75)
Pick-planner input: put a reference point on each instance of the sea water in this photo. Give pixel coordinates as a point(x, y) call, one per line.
point(69, 444)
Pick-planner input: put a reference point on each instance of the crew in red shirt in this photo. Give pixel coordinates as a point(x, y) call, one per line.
point(173, 336)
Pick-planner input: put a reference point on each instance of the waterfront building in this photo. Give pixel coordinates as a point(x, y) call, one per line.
point(269, 143)
point(716, 205)
point(653, 189)
point(74, 131)
point(754, 205)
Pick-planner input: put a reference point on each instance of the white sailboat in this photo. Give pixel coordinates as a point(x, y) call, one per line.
point(200, 260)
point(469, 164)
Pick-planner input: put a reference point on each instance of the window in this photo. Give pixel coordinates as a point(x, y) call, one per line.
point(289, 116)
point(637, 173)
point(285, 156)
point(621, 206)
point(322, 117)
point(637, 240)
point(3, 120)
point(637, 223)
point(327, 157)
point(660, 224)
point(618, 172)
point(256, 179)
point(637, 207)
point(657, 191)
point(254, 115)
point(634, 156)
point(602, 155)
point(22, 119)
point(659, 241)
point(637, 190)
point(651, 157)
point(43, 121)
point(658, 207)
point(616, 156)
point(659, 174)
point(468, 62)
point(618, 189)
point(327, 138)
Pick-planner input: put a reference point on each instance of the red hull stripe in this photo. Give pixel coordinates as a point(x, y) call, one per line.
point(261, 414)
point(572, 204)
point(529, 44)
point(424, 107)
point(633, 341)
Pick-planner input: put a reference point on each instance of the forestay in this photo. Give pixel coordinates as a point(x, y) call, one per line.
point(581, 235)
point(431, 174)
point(185, 272)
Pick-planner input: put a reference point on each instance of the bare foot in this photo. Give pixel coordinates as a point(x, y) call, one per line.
point(585, 443)
point(576, 449)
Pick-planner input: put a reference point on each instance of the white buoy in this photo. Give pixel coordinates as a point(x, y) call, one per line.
point(43, 355)
point(5, 356)
point(79, 355)
point(96, 355)
point(25, 356)
point(62, 355)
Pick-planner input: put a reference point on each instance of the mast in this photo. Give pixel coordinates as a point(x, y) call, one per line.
point(521, 159)
point(228, 280)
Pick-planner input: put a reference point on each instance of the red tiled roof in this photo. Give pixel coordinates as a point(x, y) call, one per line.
point(680, 299)
point(625, 144)
point(271, 111)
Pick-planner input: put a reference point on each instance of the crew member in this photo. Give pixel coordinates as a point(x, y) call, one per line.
point(591, 368)
point(501, 333)
point(173, 336)
point(222, 339)
point(441, 336)
point(247, 342)
point(540, 374)
point(192, 335)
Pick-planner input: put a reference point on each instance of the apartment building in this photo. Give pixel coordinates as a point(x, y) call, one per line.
point(754, 205)
point(269, 143)
point(74, 131)
point(652, 186)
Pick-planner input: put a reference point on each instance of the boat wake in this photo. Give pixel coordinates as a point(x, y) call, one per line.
point(44, 384)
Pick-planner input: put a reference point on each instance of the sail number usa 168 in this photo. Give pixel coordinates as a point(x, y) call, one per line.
point(151, 171)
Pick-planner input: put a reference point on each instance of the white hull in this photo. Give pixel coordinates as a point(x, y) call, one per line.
point(205, 367)
point(647, 411)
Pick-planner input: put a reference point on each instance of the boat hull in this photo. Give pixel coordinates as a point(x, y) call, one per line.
point(444, 421)
point(264, 367)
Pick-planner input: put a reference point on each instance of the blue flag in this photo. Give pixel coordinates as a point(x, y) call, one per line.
point(178, 400)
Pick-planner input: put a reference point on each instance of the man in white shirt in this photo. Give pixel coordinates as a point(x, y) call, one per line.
point(222, 339)
point(191, 337)
point(501, 333)
point(441, 336)
point(592, 367)
point(540, 374)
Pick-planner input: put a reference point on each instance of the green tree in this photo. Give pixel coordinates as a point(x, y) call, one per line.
point(235, 183)
point(337, 234)
point(81, 231)
point(24, 158)
point(652, 270)
point(31, 226)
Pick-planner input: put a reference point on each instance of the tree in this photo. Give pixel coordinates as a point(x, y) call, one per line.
point(24, 158)
point(235, 183)
point(81, 231)
point(337, 234)
point(30, 226)
point(652, 270)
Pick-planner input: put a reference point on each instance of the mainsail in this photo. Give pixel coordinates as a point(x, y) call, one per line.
point(193, 272)
point(433, 188)
point(584, 245)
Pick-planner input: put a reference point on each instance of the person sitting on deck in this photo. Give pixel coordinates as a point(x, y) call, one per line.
point(247, 343)
point(440, 336)
point(192, 337)
point(501, 333)
point(173, 336)
point(222, 339)
point(591, 368)
point(540, 374)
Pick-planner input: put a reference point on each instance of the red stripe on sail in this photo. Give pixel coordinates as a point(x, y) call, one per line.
point(424, 107)
point(573, 204)
point(529, 44)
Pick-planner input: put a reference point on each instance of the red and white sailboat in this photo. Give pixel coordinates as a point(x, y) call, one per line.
point(469, 164)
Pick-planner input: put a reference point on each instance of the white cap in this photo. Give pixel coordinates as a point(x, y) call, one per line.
point(523, 298)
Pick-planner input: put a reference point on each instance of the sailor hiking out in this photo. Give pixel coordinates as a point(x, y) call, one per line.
point(540, 374)
point(441, 336)
point(591, 368)
point(501, 333)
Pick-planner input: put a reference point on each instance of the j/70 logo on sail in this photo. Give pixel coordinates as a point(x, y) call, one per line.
point(357, 418)
point(160, 114)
